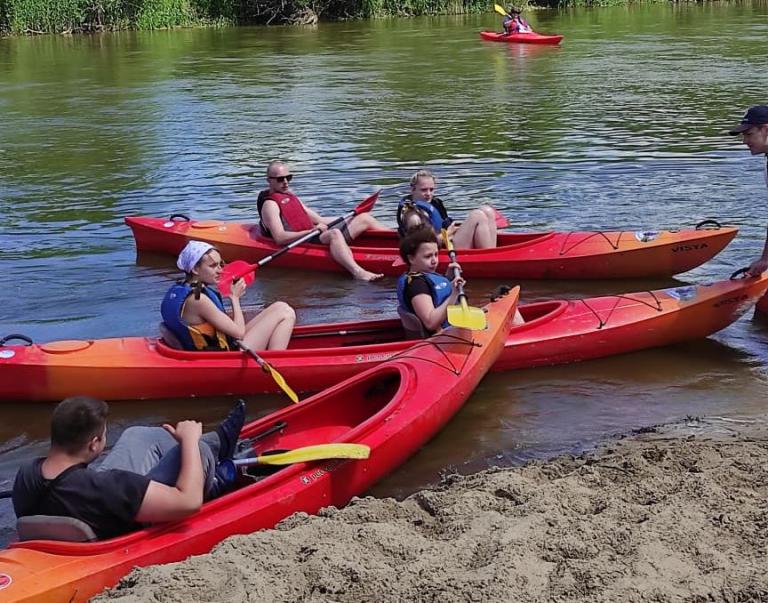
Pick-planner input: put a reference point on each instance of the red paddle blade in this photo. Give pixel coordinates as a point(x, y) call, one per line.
point(501, 221)
point(232, 272)
point(367, 203)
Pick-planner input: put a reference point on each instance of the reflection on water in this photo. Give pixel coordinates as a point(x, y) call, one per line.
point(622, 127)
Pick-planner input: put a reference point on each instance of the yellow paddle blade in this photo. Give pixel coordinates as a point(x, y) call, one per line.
point(316, 453)
point(500, 10)
point(278, 378)
point(467, 317)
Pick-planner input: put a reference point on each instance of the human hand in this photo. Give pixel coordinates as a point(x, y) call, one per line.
point(453, 228)
point(758, 267)
point(185, 430)
point(321, 226)
point(238, 288)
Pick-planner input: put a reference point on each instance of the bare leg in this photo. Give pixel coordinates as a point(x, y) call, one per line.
point(271, 328)
point(362, 222)
point(474, 232)
point(492, 228)
point(341, 252)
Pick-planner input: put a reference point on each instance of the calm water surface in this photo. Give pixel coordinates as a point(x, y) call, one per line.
point(621, 127)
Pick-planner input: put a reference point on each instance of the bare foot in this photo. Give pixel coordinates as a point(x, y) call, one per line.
point(365, 275)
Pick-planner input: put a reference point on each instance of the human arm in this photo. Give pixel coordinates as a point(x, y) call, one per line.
point(168, 503)
point(201, 310)
point(431, 316)
point(761, 264)
point(270, 216)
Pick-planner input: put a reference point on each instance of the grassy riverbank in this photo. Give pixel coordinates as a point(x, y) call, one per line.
point(78, 16)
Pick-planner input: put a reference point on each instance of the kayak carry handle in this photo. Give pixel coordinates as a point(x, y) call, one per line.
point(18, 336)
point(741, 273)
point(182, 218)
point(708, 225)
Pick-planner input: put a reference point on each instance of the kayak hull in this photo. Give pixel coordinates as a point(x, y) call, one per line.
point(547, 255)
point(555, 332)
point(521, 38)
point(394, 409)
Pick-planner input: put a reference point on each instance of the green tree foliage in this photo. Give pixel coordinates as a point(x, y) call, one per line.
point(58, 16)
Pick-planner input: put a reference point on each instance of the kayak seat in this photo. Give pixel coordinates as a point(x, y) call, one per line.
point(412, 325)
point(169, 338)
point(51, 527)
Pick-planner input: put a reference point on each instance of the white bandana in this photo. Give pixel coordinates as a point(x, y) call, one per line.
point(191, 254)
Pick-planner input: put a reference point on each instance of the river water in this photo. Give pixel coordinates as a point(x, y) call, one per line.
point(620, 127)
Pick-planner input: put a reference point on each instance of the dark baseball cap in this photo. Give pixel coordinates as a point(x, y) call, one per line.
point(755, 116)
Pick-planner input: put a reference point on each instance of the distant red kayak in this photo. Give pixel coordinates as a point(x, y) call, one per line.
point(520, 38)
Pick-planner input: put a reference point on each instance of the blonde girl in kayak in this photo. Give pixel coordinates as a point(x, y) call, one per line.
point(423, 206)
point(193, 309)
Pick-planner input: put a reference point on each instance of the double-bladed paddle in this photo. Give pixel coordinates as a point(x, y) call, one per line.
point(271, 371)
point(501, 10)
point(240, 269)
point(462, 315)
point(228, 467)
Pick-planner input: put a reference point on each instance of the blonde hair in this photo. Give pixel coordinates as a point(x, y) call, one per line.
point(422, 174)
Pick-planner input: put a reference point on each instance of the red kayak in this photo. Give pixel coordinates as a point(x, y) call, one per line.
point(394, 409)
point(546, 255)
point(554, 332)
point(520, 38)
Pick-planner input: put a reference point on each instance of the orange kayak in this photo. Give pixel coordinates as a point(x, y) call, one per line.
point(394, 409)
point(544, 255)
point(555, 332)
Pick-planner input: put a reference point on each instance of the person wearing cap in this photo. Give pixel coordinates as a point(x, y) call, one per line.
point(514, 23)
point(753, 128)
point(284, 218)
point(193, 309)
point(151, 475)
point(422, 206)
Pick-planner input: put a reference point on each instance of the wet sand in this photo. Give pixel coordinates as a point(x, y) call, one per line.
point(670, 513)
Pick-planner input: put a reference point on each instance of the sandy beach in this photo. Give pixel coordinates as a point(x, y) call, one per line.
point(673, 513)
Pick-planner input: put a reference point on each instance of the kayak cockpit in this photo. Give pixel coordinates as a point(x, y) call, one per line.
point(346, 413)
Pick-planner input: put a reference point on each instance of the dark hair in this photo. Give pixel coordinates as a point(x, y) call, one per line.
point(75, 421)
point(411, 242)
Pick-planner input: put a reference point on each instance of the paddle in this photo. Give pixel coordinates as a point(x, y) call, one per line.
point(462, 315)
point(501, 10)
point(228, 467)
point(299, 455)
point(240, 269)
point(501, 221)
point(269, 369)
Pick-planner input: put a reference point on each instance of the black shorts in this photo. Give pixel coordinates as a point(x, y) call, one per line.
point(342, 226)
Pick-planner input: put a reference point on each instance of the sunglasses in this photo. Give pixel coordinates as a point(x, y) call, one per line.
point(287, 178)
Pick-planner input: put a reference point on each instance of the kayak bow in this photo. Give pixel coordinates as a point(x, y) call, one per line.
point(393, 409)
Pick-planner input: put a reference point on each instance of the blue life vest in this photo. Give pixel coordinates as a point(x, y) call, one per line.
point(440, 288)
point(433, 211)
point(192, 338)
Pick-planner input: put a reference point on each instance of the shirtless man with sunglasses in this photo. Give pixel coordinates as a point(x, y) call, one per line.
point(284, 218)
